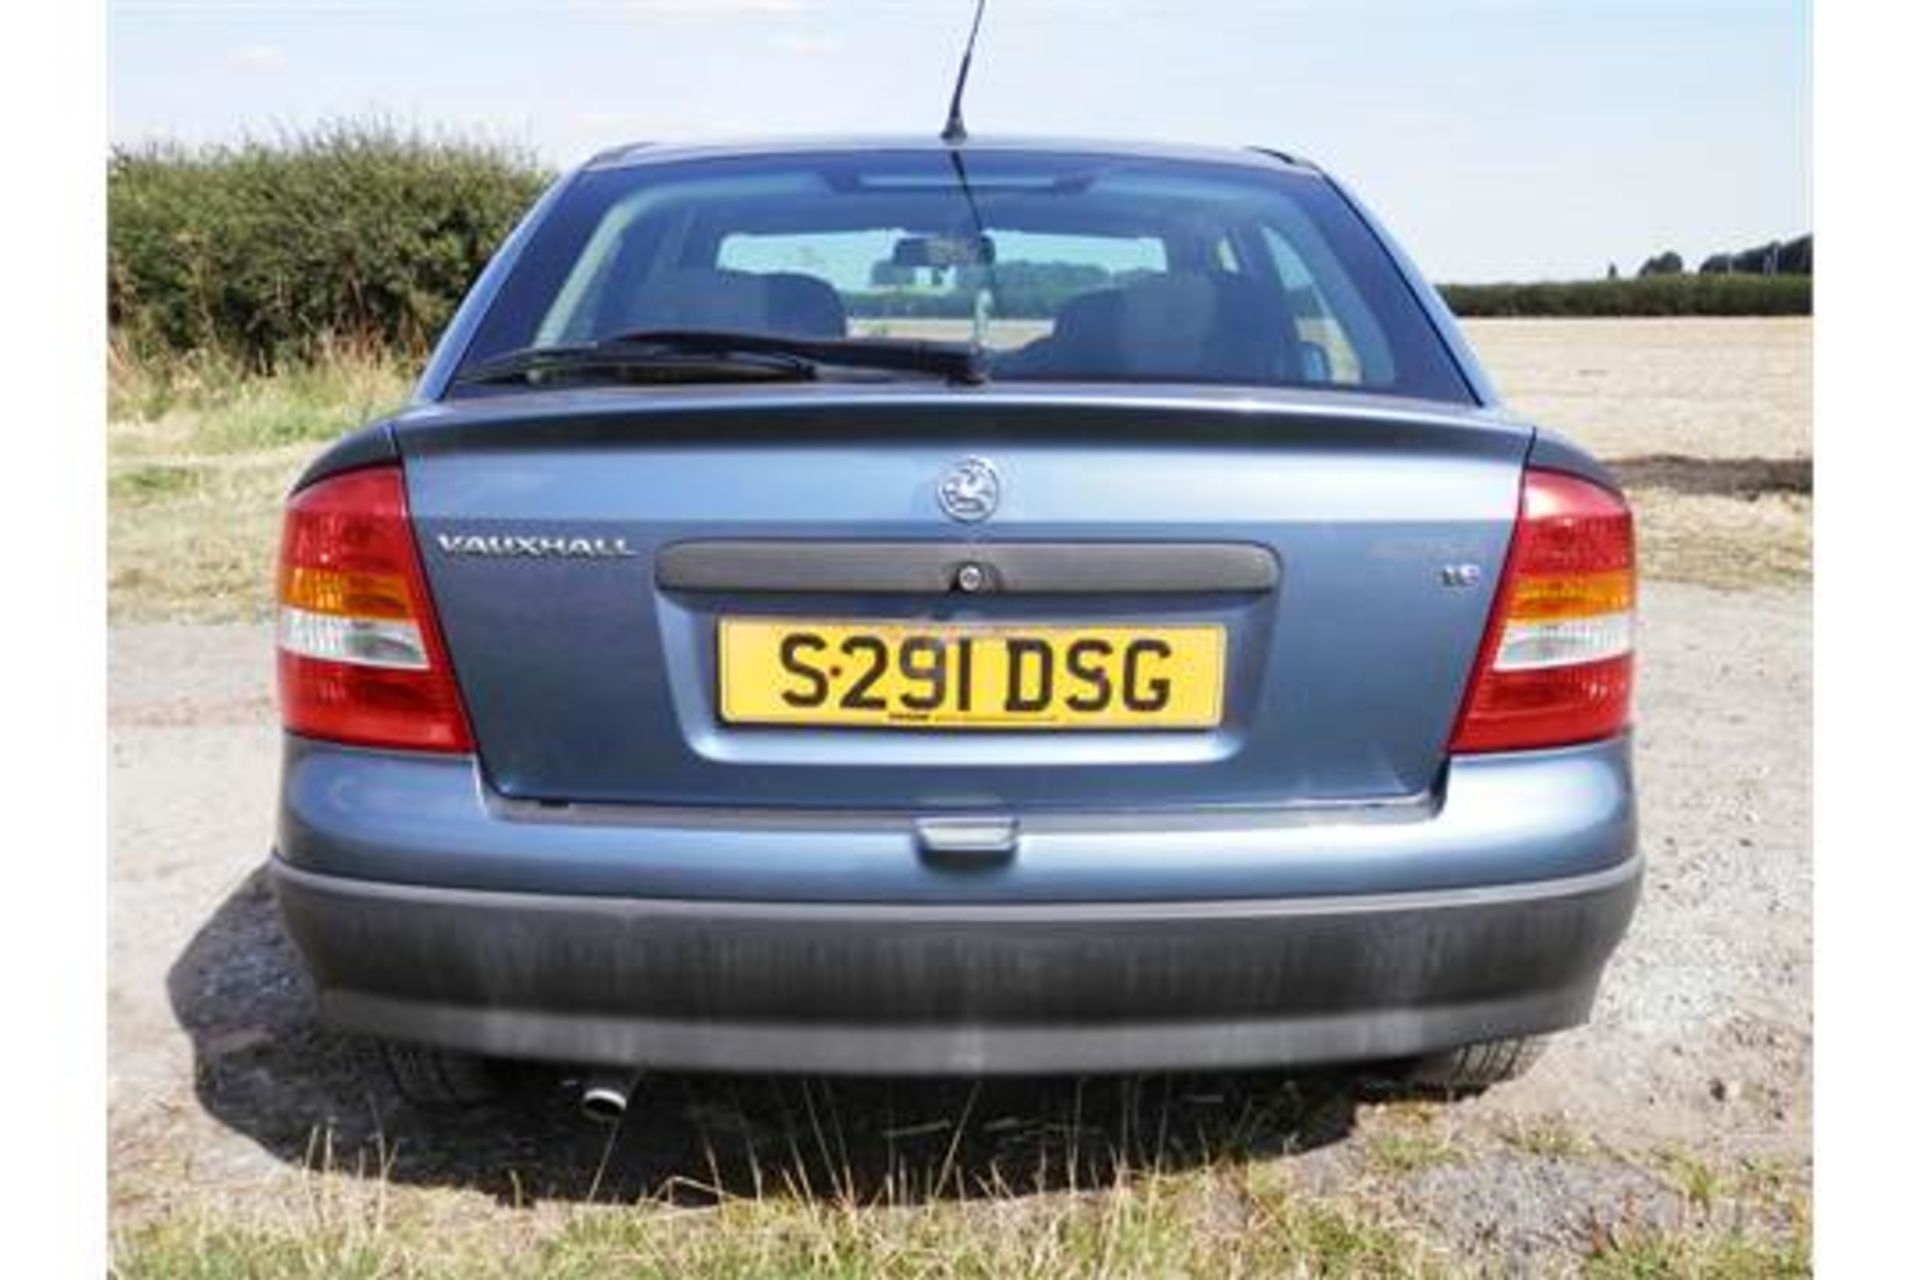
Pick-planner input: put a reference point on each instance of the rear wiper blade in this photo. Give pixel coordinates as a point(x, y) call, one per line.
point(956, 361)
point(641, 363)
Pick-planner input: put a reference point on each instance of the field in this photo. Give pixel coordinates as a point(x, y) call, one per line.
point(1669, 1137)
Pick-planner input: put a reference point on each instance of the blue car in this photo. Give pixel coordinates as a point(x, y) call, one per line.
point(954, 607)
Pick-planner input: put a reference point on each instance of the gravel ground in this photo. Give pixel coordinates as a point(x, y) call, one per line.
point(220, 1081)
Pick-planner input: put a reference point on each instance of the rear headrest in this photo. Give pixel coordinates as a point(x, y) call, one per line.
point(1171, 322)
point(707, 298)
point(1089, 314)
point(1179, 325)
point(703, 298)
point(804, 305)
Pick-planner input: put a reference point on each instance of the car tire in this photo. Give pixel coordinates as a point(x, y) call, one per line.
point(439, 1080)
point(1477, 1066)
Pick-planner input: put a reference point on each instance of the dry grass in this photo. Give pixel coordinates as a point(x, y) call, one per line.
point(1233, 1217)
point(1228, 1218)
point(199, 456)
point(1725, 541)
point(191, 537)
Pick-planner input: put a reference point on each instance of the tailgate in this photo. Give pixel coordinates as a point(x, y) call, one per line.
point(596, 560)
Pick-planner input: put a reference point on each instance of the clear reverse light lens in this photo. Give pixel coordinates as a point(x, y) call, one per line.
point(365, 642)
point(1529, 646)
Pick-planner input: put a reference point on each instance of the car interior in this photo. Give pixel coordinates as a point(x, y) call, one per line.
point(1207, 299)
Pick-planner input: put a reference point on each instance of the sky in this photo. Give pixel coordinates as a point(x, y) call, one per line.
point(1498, 139)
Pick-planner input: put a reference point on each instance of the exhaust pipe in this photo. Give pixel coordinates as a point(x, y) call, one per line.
point(604, 1095)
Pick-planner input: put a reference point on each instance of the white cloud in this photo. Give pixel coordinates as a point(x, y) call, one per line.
point(592, 119)
point(807, 42)
point(717, 8)
point(257, 57)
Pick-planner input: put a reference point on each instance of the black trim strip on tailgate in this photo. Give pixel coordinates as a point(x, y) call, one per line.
point(1031, 568)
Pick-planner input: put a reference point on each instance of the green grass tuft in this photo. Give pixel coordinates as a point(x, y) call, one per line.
point(1549, 1139)
point(1148, 1226)
point(201, 1251)
point(1681, 1255)
point(149, 482)
point(1412, 1151)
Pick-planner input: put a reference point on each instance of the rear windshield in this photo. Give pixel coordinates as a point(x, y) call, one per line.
point(1063, 267)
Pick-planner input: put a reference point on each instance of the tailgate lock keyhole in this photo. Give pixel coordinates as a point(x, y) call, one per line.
point(971, 577)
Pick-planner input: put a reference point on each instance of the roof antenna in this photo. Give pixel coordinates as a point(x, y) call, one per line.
point(956, 130)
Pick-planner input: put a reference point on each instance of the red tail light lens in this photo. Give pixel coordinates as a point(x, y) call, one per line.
point(361, 659)
point(1556, 665)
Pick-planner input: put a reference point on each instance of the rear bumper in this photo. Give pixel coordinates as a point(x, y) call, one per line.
point(429, 909)
point(904, 988)
point(433, 821)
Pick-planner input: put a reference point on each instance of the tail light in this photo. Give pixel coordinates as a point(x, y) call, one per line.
point(1556, 664)
point(361, 659)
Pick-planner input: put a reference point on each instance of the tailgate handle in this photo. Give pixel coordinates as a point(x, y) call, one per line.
point(968, 839)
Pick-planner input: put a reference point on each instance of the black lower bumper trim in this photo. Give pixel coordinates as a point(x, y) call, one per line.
point(904, 989)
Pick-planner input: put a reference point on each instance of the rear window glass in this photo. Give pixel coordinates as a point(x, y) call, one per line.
point(1064, 267)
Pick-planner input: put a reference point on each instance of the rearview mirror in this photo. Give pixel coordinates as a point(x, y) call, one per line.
point(943, 251)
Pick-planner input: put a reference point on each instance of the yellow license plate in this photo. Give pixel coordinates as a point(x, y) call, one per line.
point(970, 676)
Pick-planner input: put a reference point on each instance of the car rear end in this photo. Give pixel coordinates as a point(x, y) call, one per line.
point(1100, 717)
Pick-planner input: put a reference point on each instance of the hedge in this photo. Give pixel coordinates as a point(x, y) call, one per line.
point(266, 251)
point(362, 234)
point(1667, 295)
